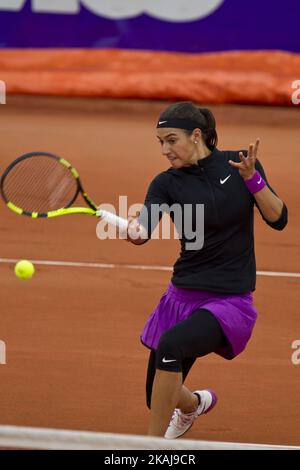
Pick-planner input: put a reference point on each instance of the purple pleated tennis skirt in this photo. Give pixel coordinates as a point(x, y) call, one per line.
point(234, 312)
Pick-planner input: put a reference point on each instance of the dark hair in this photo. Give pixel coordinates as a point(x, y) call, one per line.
point(203, 117)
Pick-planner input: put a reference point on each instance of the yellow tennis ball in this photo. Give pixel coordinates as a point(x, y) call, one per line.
point(24, 269)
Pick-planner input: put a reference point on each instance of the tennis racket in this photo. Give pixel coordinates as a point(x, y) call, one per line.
point(41, 184)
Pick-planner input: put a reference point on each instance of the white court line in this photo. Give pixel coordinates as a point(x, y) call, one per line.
point(148, 267)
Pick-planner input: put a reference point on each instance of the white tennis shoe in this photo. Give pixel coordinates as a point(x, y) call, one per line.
point(181, 422)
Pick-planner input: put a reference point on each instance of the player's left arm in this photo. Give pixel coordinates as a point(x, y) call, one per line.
point(271, 207)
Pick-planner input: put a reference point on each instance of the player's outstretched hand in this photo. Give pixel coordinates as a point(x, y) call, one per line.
point(246, 167)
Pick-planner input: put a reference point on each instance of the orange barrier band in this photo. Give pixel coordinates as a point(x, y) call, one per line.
point(263, 77)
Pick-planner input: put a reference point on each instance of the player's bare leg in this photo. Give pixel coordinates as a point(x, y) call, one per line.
point(188, 401)
point(166, 393)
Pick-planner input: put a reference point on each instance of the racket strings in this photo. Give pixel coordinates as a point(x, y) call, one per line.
point(40, 184)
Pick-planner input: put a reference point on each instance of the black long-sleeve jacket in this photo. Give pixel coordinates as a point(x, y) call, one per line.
point(226, 261)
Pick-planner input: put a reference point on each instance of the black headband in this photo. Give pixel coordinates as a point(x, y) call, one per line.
point(176, 123)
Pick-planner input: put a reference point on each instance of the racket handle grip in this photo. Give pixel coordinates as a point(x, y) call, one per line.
point(113, 219)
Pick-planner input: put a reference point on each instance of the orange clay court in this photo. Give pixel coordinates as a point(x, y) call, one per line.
point(74, 359)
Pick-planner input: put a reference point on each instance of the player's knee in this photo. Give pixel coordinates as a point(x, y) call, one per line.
point(167, 357)
point(168, 354)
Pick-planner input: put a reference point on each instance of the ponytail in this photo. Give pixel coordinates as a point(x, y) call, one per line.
point(209, 133)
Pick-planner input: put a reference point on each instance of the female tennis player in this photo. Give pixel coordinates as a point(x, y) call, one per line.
point(207, 307)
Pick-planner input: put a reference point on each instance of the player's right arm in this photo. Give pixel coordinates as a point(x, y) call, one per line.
point(136, 233)
point(143, 224)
